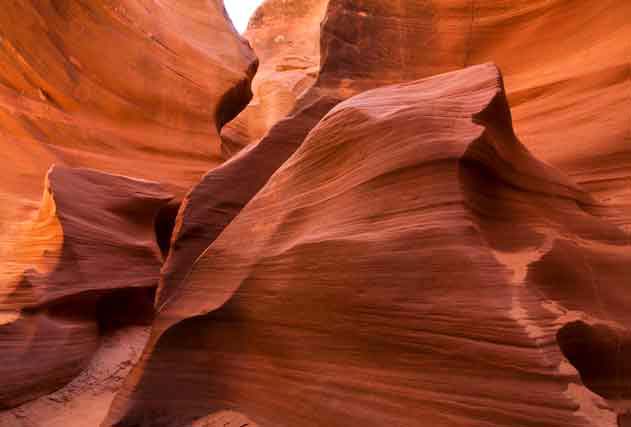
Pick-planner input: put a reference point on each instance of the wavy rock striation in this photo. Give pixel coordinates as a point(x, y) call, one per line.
point(373, 290)
point(369, 258)
point(367, 44)
point(94, 237)
point(132, 87)
point(94, 232)
point(355, 43)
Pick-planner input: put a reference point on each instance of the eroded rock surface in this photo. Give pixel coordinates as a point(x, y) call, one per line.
point(365, 258)
point(372, 291)
point(93, 236)
point(355, 42)
point(94, 232)
point(368, 44)
point(286, 37)
point(132, 87)
point(600, 354)
point(84, 401)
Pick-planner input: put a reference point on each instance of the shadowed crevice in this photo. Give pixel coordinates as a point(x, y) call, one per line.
point(164, 224)
point(599, 353)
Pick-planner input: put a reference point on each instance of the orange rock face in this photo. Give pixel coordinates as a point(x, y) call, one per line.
point(286, 37)
point(132, 88)
point(88, 218)
point(368, 33)
point(93, 236)
point(567, 70)
point(397, 237)
point(129, 87)
point(368, 44)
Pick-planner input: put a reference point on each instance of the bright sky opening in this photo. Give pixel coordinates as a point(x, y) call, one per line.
point(240, 12)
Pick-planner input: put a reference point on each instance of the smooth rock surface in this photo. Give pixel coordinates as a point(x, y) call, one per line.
point(132, 87)
point(94, 232)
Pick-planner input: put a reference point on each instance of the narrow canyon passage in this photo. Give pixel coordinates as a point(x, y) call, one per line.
point(315, 212)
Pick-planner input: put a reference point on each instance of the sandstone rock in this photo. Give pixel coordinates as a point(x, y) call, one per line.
point(354, 40)
point(600, 354)
point(130, 87)
point(94, 235)
point(404, 260)
point(42, 351)
point(286, 37)
point(85, 400)
point(571, 62)
point(219, 197)
point(567, 74)
point(363, 286)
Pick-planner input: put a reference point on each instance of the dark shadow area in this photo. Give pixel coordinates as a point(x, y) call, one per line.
point(125, 307)
point(600, 355)
point(164, 224)
point(624, 420)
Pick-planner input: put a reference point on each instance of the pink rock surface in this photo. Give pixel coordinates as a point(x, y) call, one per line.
point(368, 30)
point(43, 351)
point(94, 236)
point(371, 291)
point(416, 253)
point(94, 232)
point(131, 88)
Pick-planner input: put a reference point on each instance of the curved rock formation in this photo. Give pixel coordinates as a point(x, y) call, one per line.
point(398, 257)
point(85, 400)
point(42, 351)
point(222, 193)
point(359, 285)
point(600, 353)
point(138, 88)
point(569, 79)
point(365, 45)
point(286, 37)
point(94, 236)
point(94, 232)
point(129, 87)
point(344, 46)
point(355, 42)
point(568, 58)
point(586, 275)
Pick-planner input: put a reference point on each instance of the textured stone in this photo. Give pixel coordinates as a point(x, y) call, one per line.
point(93, 237)
point(367, 283)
